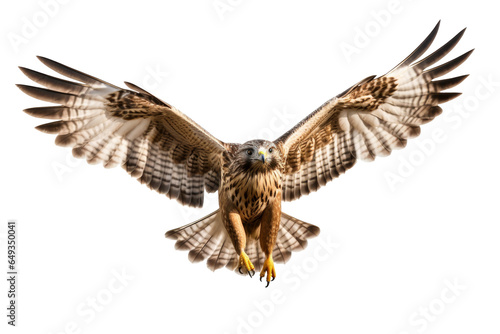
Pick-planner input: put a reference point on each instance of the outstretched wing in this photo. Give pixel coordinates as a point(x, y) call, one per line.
point(152, 140)
point(370, 119)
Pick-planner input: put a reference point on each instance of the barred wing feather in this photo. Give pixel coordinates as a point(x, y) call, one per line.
point(152, 140)
point(370, 119)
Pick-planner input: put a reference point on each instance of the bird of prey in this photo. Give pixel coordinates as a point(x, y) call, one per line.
point(170, 153)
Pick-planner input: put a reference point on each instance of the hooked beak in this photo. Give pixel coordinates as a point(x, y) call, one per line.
point(263, 155)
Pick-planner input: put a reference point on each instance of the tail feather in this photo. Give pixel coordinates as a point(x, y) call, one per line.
point(294, 233)
point(190, 236)
point(233, 263)
point(204, 249)
point(207, 239)
point(281, 254)
point(221, 256)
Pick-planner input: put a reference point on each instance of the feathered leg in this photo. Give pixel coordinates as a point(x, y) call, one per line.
point(270, 224)
point(234, 227)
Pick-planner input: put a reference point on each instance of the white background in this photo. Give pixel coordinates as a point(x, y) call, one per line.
point(255, 70)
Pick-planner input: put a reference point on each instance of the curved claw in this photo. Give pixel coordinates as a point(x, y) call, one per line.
point(267, 281)
point(247, 264)
point(268, 271)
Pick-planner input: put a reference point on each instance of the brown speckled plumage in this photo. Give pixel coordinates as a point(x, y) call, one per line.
point(250, 195)
point(166, 150)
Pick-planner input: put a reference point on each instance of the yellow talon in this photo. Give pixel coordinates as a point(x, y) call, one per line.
point(247, 264)
point(269, 268)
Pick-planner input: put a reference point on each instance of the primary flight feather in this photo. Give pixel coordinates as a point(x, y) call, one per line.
point(166, 150)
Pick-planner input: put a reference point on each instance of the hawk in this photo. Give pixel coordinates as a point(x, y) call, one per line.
point(170, 153)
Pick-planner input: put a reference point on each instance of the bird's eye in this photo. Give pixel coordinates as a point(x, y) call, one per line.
point(271, 150)
point(249, 152)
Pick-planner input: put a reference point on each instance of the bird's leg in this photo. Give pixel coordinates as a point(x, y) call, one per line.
point(246, 263)
point(268, 267)
point(236, 231)
point(270, 224)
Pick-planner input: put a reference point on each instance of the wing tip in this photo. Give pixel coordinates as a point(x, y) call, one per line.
point(50, 128)
point(34, 112)
point(24, 69)
point(45, 60)
point(447, 96)
point(436, 27)
point(26, 89)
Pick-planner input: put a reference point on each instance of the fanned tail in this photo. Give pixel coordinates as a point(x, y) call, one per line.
point(207, 239)
point(292, 236)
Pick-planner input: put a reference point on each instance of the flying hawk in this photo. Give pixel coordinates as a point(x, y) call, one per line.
point(166, 150)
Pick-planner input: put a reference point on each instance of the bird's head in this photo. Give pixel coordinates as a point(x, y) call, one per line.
point(259, 155)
